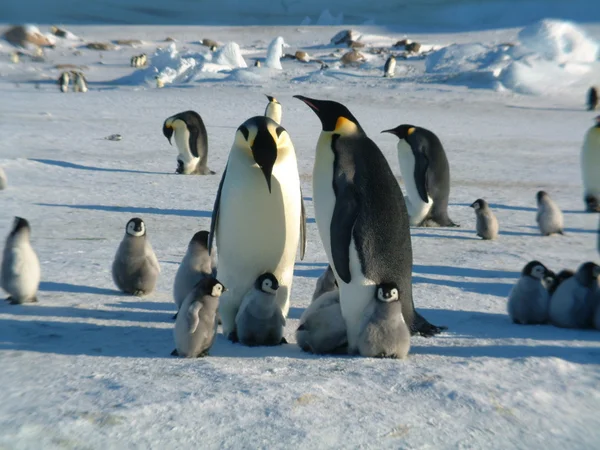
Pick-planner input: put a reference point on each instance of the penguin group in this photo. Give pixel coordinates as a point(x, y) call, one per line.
point(75, 77)
point(138, 60)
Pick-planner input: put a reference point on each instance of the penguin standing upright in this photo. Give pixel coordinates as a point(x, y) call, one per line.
point(361, 217)
point(592, 98)
point(258, 216)
point(590, 167)
point(273, 110)
point(191, 140)
point(487, 224)
point(426, 175)
point(389, 70)
point(79, 82)
point(549, 217)
point(63, 81)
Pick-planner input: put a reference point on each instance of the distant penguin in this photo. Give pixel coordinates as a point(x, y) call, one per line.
point(79, 82)
point(195, 265)
point(383, 331)
point(258, 216)
point(275, 52)
point(196, 325)
point(572, 304)
point(590, 168)
point(556, 280)
point(325, 283)
point(191, 140)
point(257, 63)
point(549, 216)
point(63, 81)
point(389, 70)
point(273, 110)
point(135, 268)
point(426, 175)
point(3, 181)
point(20, 271)
point(528, 299)
point(592, 98)
point(487, 224)
point(361, 217)
point(259, 320)
point(322, 328)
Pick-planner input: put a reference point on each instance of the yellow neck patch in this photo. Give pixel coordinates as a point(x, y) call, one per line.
point(410, 131)
point(345, 126)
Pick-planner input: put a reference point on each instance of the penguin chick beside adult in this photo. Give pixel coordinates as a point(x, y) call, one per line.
point(389, 70)
point(195, 265)
point(487, 224)
point(273, 110)
point(572, 304)
point(325, 283)
point(426, 175)
point(590, 168)
point(383, 331)
point(322, 329)
point(529, 298)
point(135, 268)
point(192, 142)
point(549, 216)
point(20, 271)
point(196, 325)
point(259, 320)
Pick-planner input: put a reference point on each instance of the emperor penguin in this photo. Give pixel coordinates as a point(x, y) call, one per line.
point(191, 140)
point(592, 98)
point(389, 70)
point(273, 110)
point(361, 217)
point(79, 82)
point(572, 304)
point(325, 283)
point(63, 81)
point(322, 328)
point(590, 167)
point(196, 326)
point(20, 272)
point(383, 332)
point(259, 320)
point(3, 182)
point(258, 216)
point(135, 268)
point(426, 175)
point(556, 281)
point(195, 265)
point(487, 224)
point(529, 298)
point(549, 217)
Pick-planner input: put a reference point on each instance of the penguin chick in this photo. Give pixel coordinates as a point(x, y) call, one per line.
point(325, 283)
point(528, 299)
point(196, 326)
point(195, 265)
point(135, 268)
point(487, 224)
point(383, 331)
point(572, 304)
point(3, 182)
point(322, 327)
point(592, 99)
point(273, 110)
point(20, 273)
point(259, 320)
point(556, 280)
point(549, 216)
point(389, 70)
point(63, 81)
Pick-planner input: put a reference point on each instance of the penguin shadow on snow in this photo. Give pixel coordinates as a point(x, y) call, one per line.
point(135, 210)
point(519, 208)
point(69, 165)
point(495, 289)
point(452, 271)
point(570, 230)
point(501, 232)
point(51, 286)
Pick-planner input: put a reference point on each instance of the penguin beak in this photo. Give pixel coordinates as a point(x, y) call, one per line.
point(264, 151)
point(472, 205)
point(393, 131)
point(168, 132)
point(312, 103)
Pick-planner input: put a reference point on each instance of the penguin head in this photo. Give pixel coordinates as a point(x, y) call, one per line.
point(136, 227)
point(564, 274)
point(588, 274)
point(335, 117)
point(268, 283)
point(259, 138)
point(20, 225)
point(541, 196)
point(537, 270)
point(211, 286)
point(271, 99)
point(183, 120)
point(201, 238)
point(403, 132)
point(387, 292)
point(479, 204)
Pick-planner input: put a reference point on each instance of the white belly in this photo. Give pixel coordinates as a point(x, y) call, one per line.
point(182, 141)
point(257, 232)
point(417, 208)
point(590, 163)
point(20, 271)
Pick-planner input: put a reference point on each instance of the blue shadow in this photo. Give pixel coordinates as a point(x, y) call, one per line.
point(68, 165)
point(136, 210)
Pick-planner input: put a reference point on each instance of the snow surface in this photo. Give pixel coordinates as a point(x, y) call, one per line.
point(87, 367)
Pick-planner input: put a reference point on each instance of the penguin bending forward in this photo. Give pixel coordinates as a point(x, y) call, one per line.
point(258, 217)
point(361, 217)
point(192, 142)
point(590, 168)
point(426, 175)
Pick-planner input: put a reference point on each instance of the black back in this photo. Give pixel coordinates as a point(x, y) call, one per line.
point(198, 136)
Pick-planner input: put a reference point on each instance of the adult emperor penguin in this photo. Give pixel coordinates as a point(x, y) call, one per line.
point(79, 82)
point(549, 217)
point(426, 175)
point(258, 216)
point(191, 140)
point(529, 298)
point(592, 98)
point(273, 110)
point(325, 283)
point(63, 81)
point(20, 272)
point(590, 167)
point(361, 217)
point(389, 70)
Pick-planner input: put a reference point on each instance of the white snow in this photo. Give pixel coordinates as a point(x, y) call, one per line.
point(87, 367)
point(275, 52)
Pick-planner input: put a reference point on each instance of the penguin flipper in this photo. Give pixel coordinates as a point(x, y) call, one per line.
point(192, 316)
point(302, 227)
point(420, 174)
point(344, 216)
point(215, 214)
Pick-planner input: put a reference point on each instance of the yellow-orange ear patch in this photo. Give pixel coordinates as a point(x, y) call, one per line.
point(344, 126)
point(410, 131)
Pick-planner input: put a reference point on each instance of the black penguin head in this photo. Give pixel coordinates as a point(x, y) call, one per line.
point(186, 119)
point(334, 116)
point(267, 283)
point(541, 196)
point(537, 270)
point(260, 138)
point(403, 131)
point(19, 225)
point(479, 204)
point(136, 227)
point(201, 238)
point(210, 286)
point(564, 274)
point(271, 99)
point(387, 292)
point(588, 274)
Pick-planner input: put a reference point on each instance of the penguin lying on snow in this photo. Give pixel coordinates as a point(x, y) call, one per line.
point(487, 224)
point(549, 216)
point(191, 140)
point(529, 298)
point(590, 167)
point(322, 329)
point(325, 283)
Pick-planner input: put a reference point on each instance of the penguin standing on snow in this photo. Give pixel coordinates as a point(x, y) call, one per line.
point(322, 329)
point(20, 271)
point(79, 82)
point(325, 283)
point(135, 268)
point(590, 168)
point(529, 298)
point(549, 217)
point(273, 110)
point(361, 217)
point(389, 70)
point(258, 217)
point(63, 81)
point(592, 99)
point(487, 224)
point(426, 175)
point(191, 140)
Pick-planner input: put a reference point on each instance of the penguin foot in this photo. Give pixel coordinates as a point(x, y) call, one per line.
point(175, 353)
point(283, 341)
point(138, 293)
point(424, 328)
point(233, 337)
point(203, 354)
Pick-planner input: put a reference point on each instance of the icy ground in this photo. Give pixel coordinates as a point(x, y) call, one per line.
point(87, 367)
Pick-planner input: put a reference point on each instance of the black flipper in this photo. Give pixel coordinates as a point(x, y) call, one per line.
point(215, 213)
point(302, 227)
point(344, 216)
point(421, 166)
point(175, 353)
